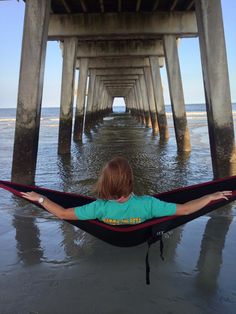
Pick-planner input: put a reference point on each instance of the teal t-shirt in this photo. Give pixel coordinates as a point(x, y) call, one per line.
point(135, 210)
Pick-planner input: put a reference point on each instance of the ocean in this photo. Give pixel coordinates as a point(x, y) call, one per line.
point(48, 266)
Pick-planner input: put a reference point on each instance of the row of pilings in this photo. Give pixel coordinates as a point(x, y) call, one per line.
point(121, 56)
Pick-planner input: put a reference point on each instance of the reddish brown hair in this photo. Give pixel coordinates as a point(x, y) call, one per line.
point(116, 180)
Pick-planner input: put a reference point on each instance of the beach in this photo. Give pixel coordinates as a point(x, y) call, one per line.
point(48, 266)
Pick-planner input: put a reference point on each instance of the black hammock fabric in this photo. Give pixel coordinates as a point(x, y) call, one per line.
point(148, 231)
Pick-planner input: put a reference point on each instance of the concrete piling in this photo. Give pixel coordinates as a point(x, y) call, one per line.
point(80, 101)
point(122, 58)
point(30, 90)
point(67, 93)
point(159, 99)
point(145, 101)
point(216, 83)
point(89, 114)
point(151, 100)
point(137, 111)
point(176, 94)
point(141, 107)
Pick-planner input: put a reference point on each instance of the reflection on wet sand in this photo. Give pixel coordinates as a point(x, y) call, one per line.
point(27, 237)
point(71, 238)
point(77, 267)
point(212, 246)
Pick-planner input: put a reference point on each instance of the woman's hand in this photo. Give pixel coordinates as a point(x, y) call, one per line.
point(31, 196)
point(52, 207)
point(218, 195)
point(194, 205)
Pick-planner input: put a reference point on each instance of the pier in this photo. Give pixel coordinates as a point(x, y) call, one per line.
point(118, 48)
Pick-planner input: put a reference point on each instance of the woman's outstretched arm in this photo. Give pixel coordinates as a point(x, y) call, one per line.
point(194, 205)
point(181, 209)
point(52, 207)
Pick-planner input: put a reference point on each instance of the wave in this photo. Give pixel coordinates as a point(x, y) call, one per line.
point(7, 119)
point(195, 113)
point(14, 119)
point(190, 114)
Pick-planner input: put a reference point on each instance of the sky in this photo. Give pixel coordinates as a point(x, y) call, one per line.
point(11, 28)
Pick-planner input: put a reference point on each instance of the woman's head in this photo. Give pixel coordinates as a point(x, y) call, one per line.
point(116, 180)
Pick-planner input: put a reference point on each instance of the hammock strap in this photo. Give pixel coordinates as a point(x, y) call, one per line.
point(156, 236)
point(147, 266)
point(161, 248)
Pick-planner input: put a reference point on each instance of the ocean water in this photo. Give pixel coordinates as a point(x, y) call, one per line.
point(48, 266)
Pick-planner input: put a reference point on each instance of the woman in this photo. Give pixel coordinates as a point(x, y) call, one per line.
point(116, 203)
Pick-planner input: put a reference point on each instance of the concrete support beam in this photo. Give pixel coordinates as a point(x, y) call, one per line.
point(136, 103)
point(102, 97)
point(134, 110)
point(92, 79)
point(110, 104)
point(67, 93)
point(176, 94)
point(141, 101)
point(216, 83)
point(139, 104)
point(80, 102)
point(159, 99)
point(126, 104)
point(96, 101)
point(106, 99)
point(125, 25)
point(99, 101)
point(120, 62)
point(117, 62)
point(126, 101)
point(120, 85)
point(30, 90)
point(130, 100)
point(91, 89)
point(151, 100)
point(117, 48)
point(118, 77)
point(119, 71)
point(117, 82)
point(99, 105)
point(143, 89)
point(119, 91)
point(112, 89)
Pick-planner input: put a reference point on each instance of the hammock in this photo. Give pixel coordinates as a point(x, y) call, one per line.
point(149, 231)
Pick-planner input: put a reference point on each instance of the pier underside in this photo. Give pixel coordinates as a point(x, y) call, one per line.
point(118, 47)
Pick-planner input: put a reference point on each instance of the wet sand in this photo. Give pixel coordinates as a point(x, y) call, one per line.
point(47, 266)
